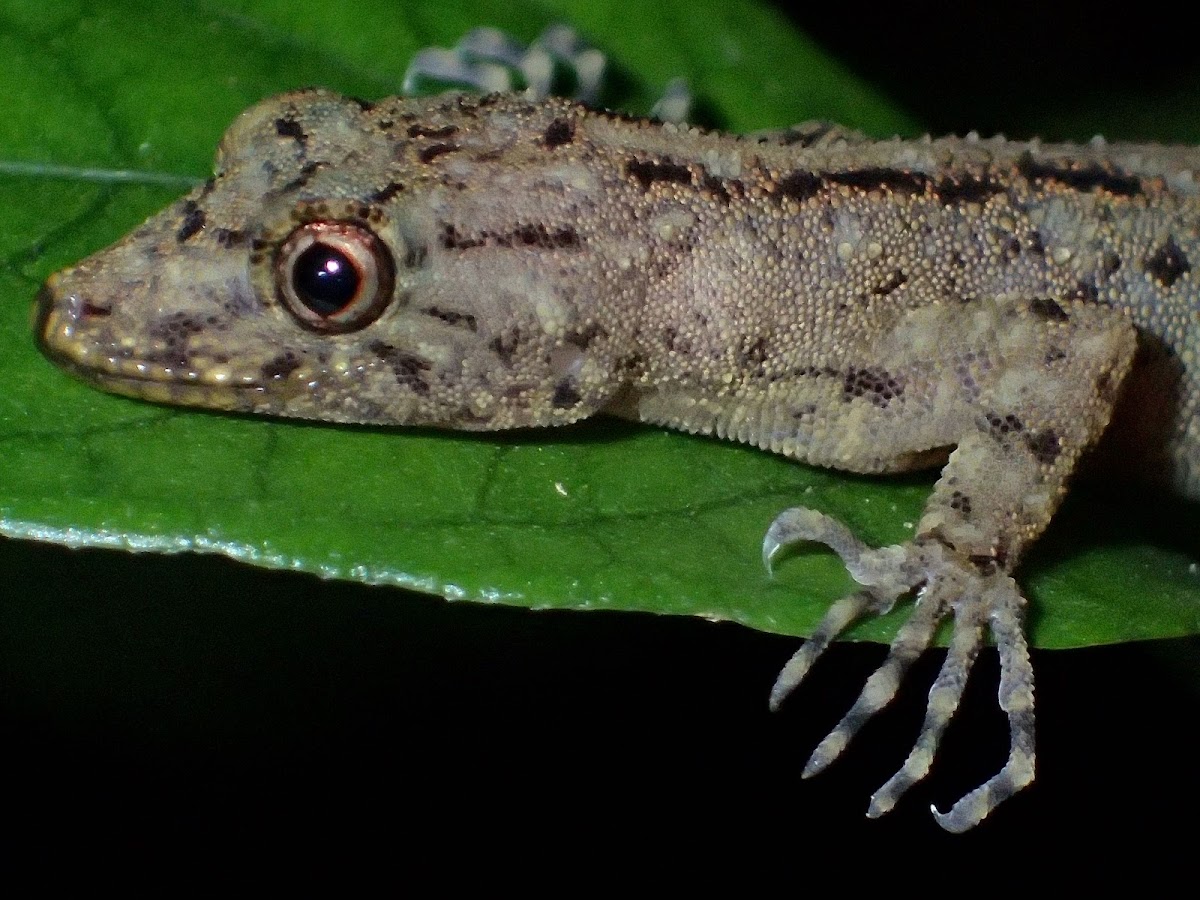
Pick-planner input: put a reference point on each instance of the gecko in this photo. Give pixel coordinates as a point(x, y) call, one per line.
point(988, 307)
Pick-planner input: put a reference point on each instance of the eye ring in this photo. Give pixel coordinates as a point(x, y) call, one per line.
point(334, 276)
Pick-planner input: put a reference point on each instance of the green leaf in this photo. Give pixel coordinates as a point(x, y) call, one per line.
point(110, 113)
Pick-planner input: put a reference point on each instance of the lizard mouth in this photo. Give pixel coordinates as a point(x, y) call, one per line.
point(60, 332)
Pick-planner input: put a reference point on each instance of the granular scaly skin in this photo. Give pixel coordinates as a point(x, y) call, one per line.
point(984, 305)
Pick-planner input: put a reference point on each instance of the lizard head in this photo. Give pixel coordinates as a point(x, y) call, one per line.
point(426, 262)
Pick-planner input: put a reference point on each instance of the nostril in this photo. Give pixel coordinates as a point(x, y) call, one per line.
point(90, 310)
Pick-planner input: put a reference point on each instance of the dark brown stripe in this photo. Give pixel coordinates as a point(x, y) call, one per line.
point(800, 185)
point(966, 189)
point(648, 172)
point(564, 237)
point(1092, 176)
point(897, 181)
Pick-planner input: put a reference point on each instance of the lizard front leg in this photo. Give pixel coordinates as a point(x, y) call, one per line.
point(1023, 417)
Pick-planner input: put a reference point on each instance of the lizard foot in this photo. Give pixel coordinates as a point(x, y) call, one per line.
point(946, 584)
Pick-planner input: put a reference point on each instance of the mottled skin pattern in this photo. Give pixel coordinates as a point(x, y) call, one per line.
point(868, 306)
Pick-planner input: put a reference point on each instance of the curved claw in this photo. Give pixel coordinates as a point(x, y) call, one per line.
point(888, 570)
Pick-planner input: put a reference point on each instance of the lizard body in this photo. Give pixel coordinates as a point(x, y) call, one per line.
point(486, 263)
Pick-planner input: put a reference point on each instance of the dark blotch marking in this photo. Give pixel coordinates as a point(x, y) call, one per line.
point(1085, 291)
point(364, 105)
point(670, 333)
point(1104, 387)
point(896, 281)
point(176, 329)
point(988, 565)
point(453, 239)
point(800, 185)
point(1081, 178)
point(877, 385)
point(450, 317)
point(193, 221)
point(433, 151)
point(505, 345)
point(961, 502)
point(229, 237)
point(632, 366)
point(897, 181)
point(1048, 309)
point(290, 128)
point(422, 131)
point(1036, 245)
point(386, 193)
point(408, 368)
point(306, 173)
point(280, 367)
point(1168, 263)
point(207, 188)
point(752, 356)
point(794, 137)
point(1110, 262)
point(558, 133)
point(1044, 445)
point(614, 115)
point(566, 395)
point(415, 256)
point(583, 337)
point(647, 172)
point(1001, 426)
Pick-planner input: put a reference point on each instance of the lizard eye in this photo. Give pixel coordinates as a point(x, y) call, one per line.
point(334, 277)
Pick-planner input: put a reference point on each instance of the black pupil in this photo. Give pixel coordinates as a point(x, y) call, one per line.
point(325, 279)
